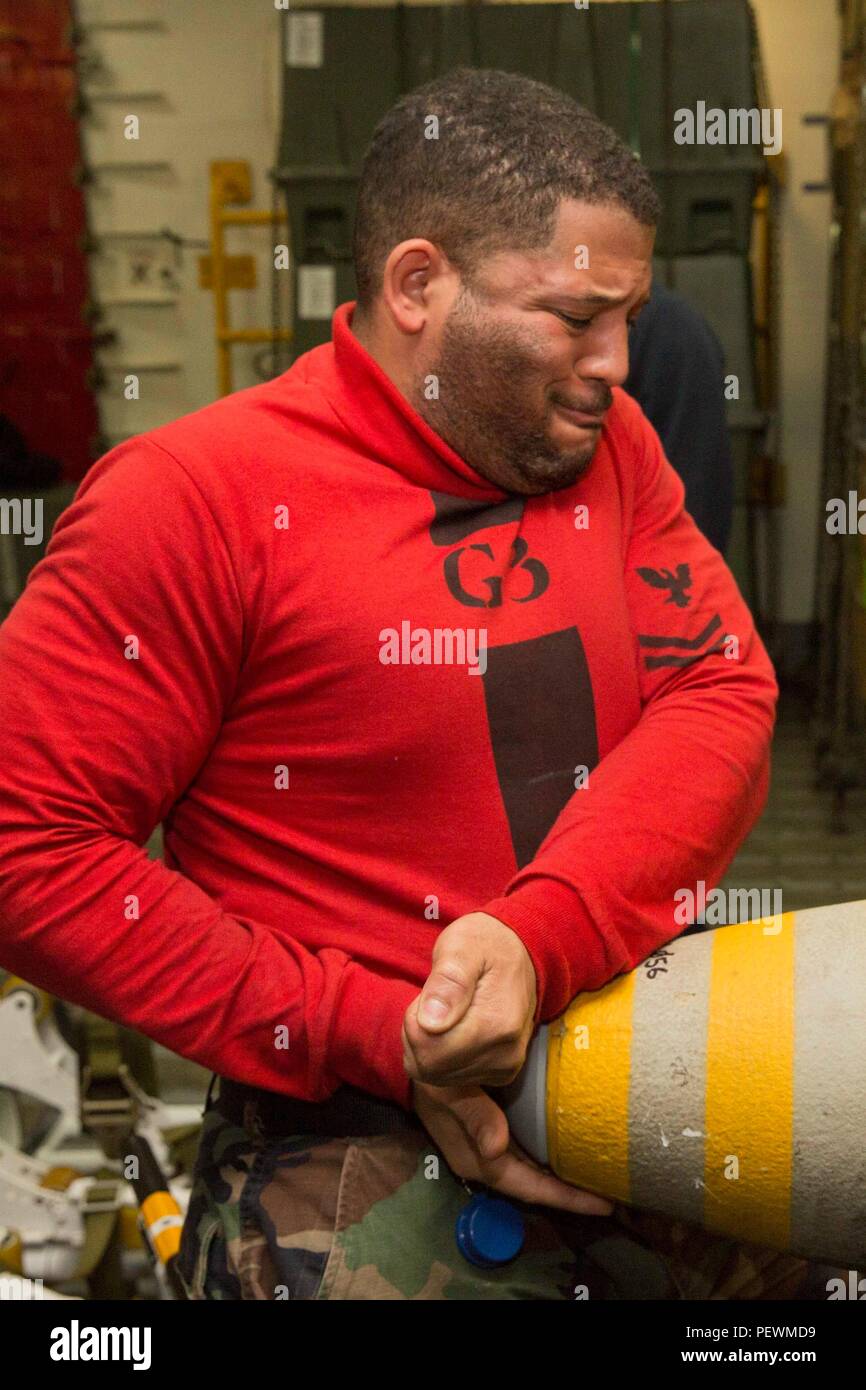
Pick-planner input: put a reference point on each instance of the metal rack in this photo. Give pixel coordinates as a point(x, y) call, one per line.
point(95, 172)
point(840, 710)
point(231, 185)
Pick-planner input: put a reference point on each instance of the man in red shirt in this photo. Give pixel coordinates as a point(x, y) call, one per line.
point(439, 695)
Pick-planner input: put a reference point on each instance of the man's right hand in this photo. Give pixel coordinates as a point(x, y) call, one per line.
point(472, 1132)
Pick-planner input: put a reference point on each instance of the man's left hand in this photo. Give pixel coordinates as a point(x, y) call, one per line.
point(472, 1022)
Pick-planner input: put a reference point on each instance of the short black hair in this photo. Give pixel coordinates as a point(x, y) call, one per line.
point(508, 150)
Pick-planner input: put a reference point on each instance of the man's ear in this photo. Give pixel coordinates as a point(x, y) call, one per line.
point(414, 277)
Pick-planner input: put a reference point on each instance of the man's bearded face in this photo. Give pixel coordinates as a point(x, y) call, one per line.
point(532, 346)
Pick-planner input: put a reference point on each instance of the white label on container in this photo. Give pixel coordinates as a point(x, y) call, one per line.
point(317, 291)
point(306, 39)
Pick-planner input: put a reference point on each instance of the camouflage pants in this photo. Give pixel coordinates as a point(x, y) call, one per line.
point(308, 1217)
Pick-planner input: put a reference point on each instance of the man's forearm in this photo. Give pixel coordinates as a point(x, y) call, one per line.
point(669, 806)
point(90, 918)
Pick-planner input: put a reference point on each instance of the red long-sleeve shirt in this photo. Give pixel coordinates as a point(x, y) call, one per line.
point(220, 638)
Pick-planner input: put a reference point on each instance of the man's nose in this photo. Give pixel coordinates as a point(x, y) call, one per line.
point(607, 358)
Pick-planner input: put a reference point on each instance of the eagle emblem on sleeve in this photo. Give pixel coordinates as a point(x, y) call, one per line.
point(677, 583)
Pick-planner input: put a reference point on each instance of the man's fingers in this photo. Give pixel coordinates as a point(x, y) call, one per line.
point(446, 1071)
point(514, 1177)
point(408, 1055)
point(446, 995)
point(459, 1056)
point(472, 1131)
point(485, 1123)
point(505, 1168)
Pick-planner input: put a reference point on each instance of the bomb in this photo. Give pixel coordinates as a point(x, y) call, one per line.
point(721, 1083)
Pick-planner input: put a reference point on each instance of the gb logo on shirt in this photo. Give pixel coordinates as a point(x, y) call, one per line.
point(519, 559)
